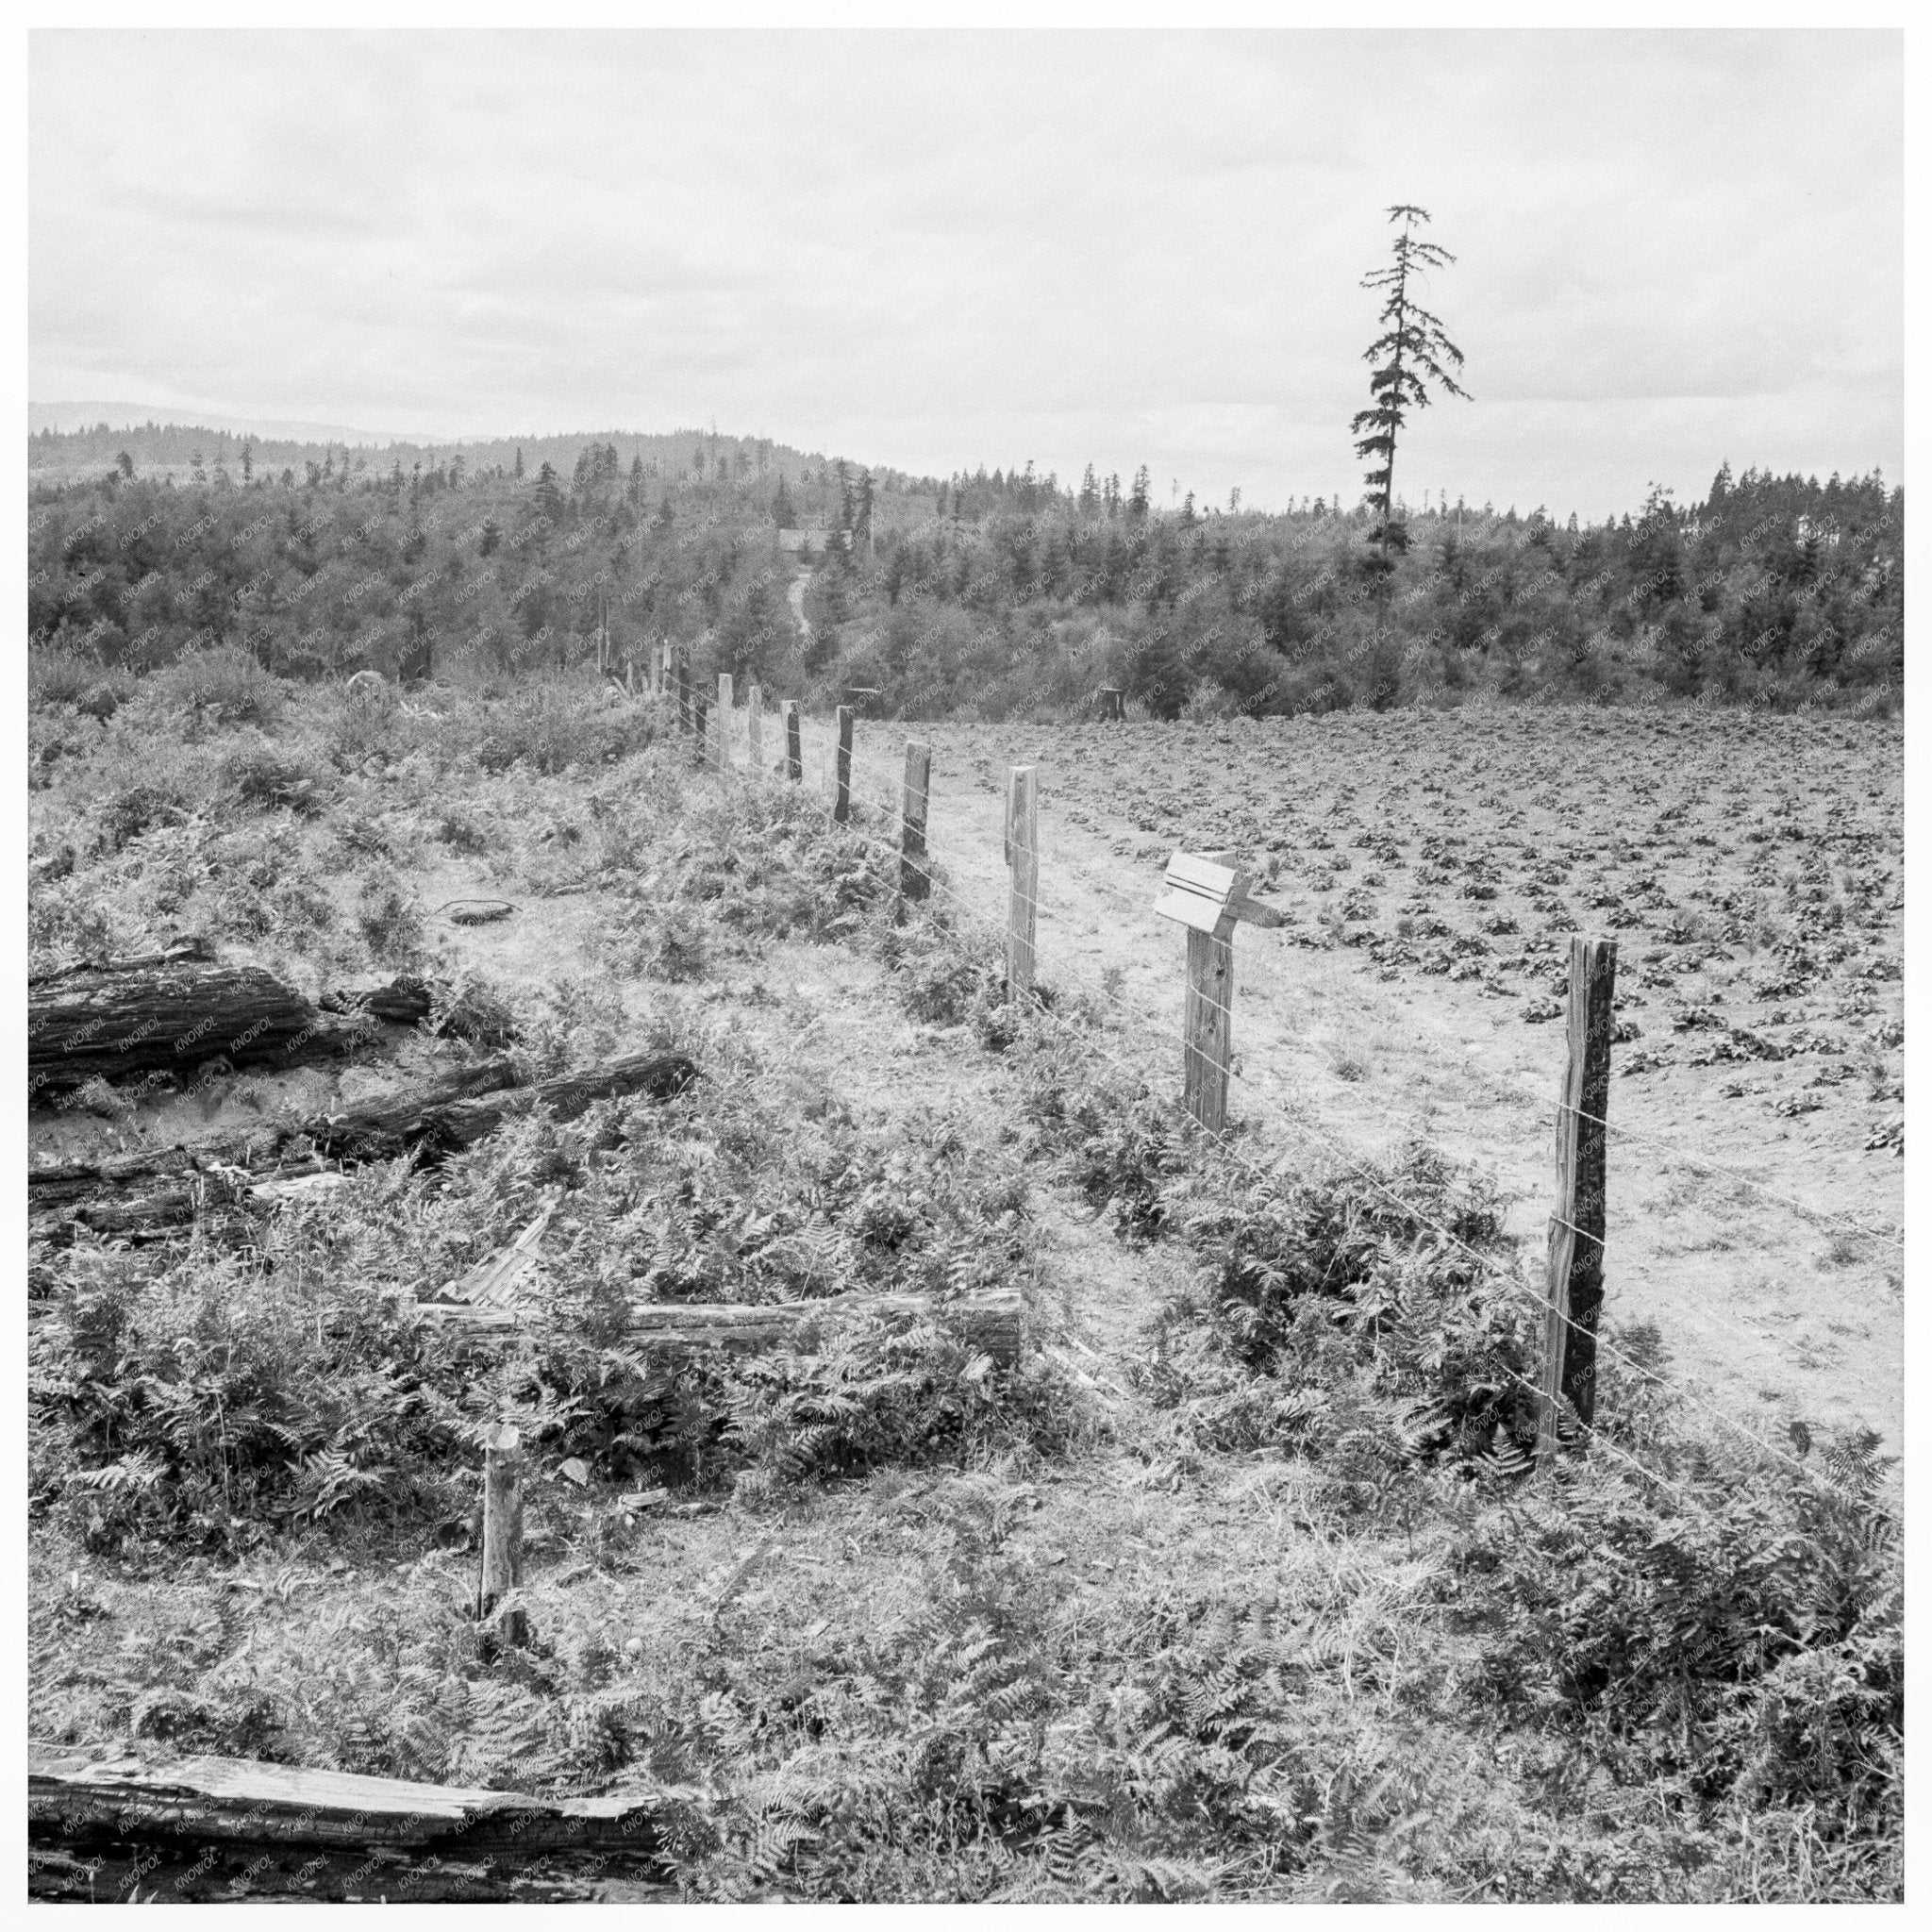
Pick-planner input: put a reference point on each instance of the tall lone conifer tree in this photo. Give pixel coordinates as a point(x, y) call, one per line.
point(1413, 345)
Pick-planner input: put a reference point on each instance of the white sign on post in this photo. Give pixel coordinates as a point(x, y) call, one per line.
point(1210, 894)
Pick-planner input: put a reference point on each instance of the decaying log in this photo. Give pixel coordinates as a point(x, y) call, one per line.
point(404, 1002)
point(994, 1323)
point(152, 1192)
point(127, 1018)
point(158, 1189)
point(384, 1128)
point(191, 1828)
point(407, 1001)
point(387, 1124)
point(195, 947)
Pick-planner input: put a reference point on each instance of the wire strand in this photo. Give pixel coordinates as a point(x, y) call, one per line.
point(1357, 1170)
point(1833, 1223)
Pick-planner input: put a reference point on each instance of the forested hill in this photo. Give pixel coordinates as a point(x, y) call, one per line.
point(980, 595)
point(164, 451)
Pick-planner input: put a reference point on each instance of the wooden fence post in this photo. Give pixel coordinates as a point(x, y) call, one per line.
point(701, 726)
point(1575, 1277)
point(684, 694)
point(1209, 896)
point(755, 730)
point(915, 881)
point(1023, 857)
point(795, 749)
point(502, 1533)
point(662, 684)
point(722, 755)
point(1207, 1036)
point(842, 805)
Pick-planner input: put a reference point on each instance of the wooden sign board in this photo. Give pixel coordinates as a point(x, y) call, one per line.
point(1211, 895)
point(1201, 893)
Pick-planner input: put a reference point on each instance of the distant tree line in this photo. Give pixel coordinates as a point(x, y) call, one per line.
point(976, 594)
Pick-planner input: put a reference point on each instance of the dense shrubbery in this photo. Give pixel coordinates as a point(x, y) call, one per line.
point(991, 597)
point(490, 578)
point(1772, 590)
point(216, 1396)
point(1688, 1613)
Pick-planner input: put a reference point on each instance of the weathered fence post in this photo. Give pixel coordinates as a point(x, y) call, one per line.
point(915, 881)
point(701, 726)
point(795, 749)
point(722, 755)
point(1207, 896)
point(1206, 1016)
point(842, 805)
point(684, 694)
point(1575, 1277)
point(1022, 858)
point(663, 664)
point(502, 1533)
point(755, 730)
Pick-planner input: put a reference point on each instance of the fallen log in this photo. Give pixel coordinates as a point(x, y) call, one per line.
point(994, 1323)
point(384, 1128)
point(195, 947)
point(165, 1178)
point(168, 1014)
point(149, 1194)
point(407, 1001)
point(193, 1827)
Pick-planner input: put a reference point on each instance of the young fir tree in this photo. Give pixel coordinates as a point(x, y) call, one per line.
point(1412, 347)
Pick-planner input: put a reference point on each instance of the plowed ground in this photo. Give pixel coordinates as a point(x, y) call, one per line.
point(1431, 868)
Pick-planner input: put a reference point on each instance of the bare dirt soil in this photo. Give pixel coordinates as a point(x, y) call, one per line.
point(1431, 867)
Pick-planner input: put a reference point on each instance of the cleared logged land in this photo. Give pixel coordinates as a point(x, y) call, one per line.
point(715, 1400)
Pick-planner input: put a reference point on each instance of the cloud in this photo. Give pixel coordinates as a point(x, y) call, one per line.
point(931, 250)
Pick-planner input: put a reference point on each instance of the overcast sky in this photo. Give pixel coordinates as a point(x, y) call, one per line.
point(935, 251)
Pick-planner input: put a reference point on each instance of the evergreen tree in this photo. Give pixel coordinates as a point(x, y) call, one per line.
point(517, 468)
point(1139, 503)
point(862, 527)
point(1412, 346)
point(549, 498)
